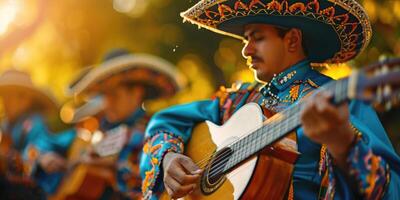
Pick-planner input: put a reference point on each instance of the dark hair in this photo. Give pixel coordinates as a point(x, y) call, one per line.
point(282, 32)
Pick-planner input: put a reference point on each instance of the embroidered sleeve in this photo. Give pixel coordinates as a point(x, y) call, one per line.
point(154, 150)
point(369, 172)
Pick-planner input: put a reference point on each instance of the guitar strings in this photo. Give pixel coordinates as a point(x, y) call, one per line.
point(271, 130)
point(272, 133)
point(270, 126)
point(209, 156)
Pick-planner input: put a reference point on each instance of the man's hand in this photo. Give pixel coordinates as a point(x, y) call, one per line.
point(327, 124)
point(180, 174)
point(52, 162)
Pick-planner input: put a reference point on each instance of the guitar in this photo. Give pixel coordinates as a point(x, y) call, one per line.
point(86, 181)
point(237, 158)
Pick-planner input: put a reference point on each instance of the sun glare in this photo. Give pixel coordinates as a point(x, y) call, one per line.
point(8, 11)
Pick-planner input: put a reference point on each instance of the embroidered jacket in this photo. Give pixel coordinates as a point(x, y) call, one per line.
point(128, 176)
point(31, 138)
point(374, 166)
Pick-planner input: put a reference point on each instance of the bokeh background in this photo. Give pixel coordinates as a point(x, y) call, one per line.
point(53, 39)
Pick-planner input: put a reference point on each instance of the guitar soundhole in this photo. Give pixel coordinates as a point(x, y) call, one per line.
point(214, 174)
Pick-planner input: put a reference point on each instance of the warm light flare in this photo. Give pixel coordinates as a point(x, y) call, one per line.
point(8, 12)
point(337, 71)
point(134, 8)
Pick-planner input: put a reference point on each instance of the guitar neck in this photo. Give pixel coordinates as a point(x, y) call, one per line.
point(280, 125)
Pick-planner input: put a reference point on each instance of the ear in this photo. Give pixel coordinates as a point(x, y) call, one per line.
point(294, 40)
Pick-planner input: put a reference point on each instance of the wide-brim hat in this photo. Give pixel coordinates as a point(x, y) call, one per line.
point(13, 80)
point(334, 31)
point(77, 78)
point(151, 71)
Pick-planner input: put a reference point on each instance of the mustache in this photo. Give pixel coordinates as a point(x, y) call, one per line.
point(254, 58)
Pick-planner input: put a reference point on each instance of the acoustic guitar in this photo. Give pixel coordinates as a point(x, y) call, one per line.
point(246, 158)
point(86, 181)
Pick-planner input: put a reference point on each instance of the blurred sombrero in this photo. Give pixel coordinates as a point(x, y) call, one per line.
point(78, 77)
point(158, 75)
point(13, 80)
point(334, 31)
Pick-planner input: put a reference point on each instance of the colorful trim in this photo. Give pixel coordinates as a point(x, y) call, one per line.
point(239, 94)
point(157, 147)
point(370, 171)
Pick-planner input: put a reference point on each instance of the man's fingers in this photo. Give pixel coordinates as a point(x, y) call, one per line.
point(330, 112)
point(169, 191)
point(308, 111)
point(189, 165)
point(182, 177)
point(176, 190)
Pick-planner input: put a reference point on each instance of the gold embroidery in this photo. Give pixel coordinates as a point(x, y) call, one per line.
point(294, 92)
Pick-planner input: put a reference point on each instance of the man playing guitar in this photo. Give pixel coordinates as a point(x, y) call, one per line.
point(341, 146)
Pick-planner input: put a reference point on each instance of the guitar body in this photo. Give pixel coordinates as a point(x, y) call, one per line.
point(83, 182)
point(260, 177)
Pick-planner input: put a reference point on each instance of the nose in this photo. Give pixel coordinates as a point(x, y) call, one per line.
point(248, 49)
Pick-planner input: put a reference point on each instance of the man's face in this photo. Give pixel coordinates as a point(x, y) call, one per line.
point(264, 50)
point(120, 102)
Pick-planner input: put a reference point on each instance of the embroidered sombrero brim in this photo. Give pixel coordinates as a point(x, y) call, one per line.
point(334, 31)
point(149, 70)
point(13, 80)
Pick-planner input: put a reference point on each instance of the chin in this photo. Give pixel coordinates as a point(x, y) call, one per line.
point(263, 78)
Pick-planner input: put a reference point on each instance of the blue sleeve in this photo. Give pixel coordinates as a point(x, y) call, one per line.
point(374, 166)
point(52, 142)
point(40, 140)
point(43, 140)
point(169, 130)
point(60, 142)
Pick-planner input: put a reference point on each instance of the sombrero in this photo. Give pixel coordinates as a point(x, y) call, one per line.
point(12, 80)
point(119, 66)
point(78, 77)
point(334, 31)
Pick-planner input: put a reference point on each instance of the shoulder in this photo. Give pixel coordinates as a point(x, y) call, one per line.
point(236, 89)
point(315, 78)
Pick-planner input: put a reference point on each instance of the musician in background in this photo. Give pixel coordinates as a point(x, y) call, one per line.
point(338, 144)
point(124, 81)
point(25, 137)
